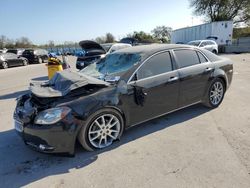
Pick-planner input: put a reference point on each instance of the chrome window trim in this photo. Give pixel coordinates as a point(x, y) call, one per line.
point(194, 49)
point(173, 61)
point(162, 74)
point(129, 80)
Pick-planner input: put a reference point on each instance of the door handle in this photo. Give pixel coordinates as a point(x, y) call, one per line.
point(208, 69)
point(173, 78)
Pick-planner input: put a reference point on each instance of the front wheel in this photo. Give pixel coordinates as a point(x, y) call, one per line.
point(215, 93)
point(5, 65)
point(101, 129)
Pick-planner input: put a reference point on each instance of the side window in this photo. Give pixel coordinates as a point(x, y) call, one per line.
point(14, 56)
point(211, 43)
point(157, 64)
point(201, 57)
point(204, 43)
point(186, 58)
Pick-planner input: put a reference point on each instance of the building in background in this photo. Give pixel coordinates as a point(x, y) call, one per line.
point(221, 32)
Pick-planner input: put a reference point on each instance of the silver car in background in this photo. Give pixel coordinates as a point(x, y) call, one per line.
point(209, 45)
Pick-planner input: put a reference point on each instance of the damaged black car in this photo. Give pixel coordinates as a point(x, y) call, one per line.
point(128, 87)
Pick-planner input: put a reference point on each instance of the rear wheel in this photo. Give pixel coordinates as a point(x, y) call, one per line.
point(215, 93)
point(5, 65)
point(214, 51)
point(40, 61)
point(25, 62)
point(101, 129)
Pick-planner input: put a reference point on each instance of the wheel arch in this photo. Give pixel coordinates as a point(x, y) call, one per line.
point(219, 73)
point(119, 111)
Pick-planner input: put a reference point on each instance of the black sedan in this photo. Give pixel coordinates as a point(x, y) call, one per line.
point(11, 60)
point(128, 87)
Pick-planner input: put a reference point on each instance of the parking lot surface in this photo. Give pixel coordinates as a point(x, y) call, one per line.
point(194, 147)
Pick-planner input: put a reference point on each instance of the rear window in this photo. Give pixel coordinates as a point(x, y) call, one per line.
point(12, 51)
point(211, 56)
point(186, 58)
point(28, 52)
point(201, 57)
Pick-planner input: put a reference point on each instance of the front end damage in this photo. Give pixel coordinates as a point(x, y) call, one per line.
point(58, 137)
point(46, 119)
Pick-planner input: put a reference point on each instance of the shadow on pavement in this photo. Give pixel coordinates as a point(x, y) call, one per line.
point(21, 166)
point(13, 95)
point(42, 78)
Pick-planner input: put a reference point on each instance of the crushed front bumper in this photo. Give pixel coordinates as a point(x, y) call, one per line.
point(54, 138)
point(57, 138)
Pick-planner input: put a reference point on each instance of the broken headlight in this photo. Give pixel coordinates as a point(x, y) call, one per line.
point(52, 115)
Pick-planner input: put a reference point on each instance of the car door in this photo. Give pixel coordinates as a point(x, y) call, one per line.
point(194, 72)
point(9, 57)
point(155, 89)
point(17, 61)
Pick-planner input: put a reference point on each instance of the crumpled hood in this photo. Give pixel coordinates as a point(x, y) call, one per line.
point(62, 83)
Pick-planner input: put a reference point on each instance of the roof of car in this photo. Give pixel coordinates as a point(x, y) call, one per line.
point(201, 40)
point(152, 48)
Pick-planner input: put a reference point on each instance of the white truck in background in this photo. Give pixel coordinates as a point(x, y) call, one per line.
point(221, 32)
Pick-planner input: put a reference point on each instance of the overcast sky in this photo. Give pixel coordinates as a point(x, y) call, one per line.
point(75, 20)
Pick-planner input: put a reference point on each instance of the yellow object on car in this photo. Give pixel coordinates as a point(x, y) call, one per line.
point(54, 65)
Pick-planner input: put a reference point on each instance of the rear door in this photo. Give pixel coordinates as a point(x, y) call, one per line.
point(16, 60)
point(11, 59)
point(155, 90)
point(194, 71)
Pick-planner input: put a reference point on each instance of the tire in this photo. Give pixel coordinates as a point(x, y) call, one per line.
point(40, 61)
point(25, 62)
point(214, 51)
point(215, 94)
point(97, 135)
point(5, 65)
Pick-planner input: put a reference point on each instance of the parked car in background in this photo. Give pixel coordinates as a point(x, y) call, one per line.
point(36, 55)
point(209, 45)
point(129, 86)
point(129, 40)
point(10, 60)
point(94, 52)
point(18, 51)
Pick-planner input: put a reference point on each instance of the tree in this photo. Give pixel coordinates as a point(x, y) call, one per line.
point(223, 10)
point(109, 38)
point(162, 33)
point(23, 42)
point(100, 40)
point(3, 40)
point(142, 37)
point(51, 43)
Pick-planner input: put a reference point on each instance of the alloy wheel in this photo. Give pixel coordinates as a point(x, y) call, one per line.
point(40, 61)
point(104, 130)
point(5, 65)
point(216, 93)
point(25, 62)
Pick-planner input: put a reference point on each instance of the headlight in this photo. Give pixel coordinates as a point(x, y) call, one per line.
point(52, 115)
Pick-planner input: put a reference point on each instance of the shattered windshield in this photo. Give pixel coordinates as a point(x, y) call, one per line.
point(112, 64)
